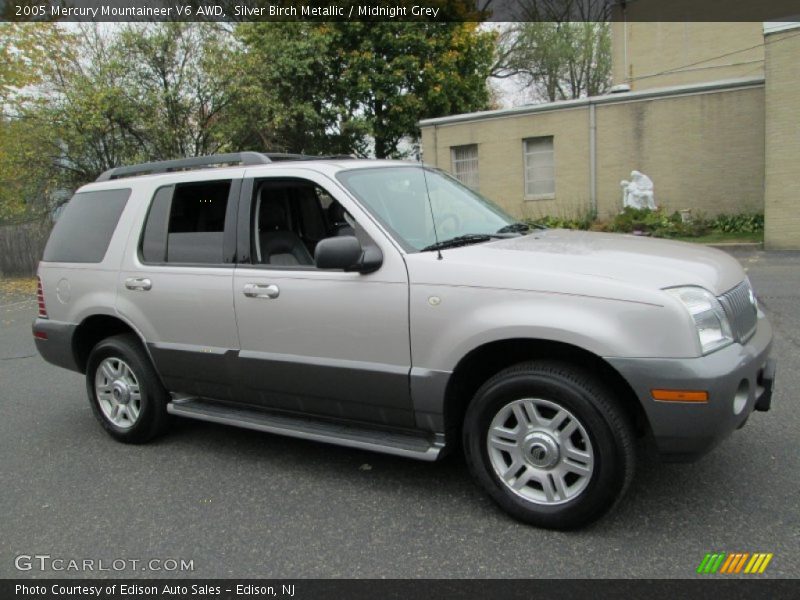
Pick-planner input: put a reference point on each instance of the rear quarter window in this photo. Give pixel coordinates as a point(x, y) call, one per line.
point(84, 228)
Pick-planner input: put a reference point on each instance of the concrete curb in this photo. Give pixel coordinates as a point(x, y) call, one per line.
point(736, 245)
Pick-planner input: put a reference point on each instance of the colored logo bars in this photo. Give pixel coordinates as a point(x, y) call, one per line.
point(734, 562)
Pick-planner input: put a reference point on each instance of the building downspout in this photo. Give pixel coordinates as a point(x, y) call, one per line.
point(593, 158)
point(436, 146)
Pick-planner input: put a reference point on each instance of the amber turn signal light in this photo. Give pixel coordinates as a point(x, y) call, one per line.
point(679, 395)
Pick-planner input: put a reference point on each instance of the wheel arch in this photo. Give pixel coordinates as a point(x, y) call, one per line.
point(484, 361)
point(95, 328)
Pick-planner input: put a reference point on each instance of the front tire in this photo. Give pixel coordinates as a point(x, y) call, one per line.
point(124, 390)
point(550, 444)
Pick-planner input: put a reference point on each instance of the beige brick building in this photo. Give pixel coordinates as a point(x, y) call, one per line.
point(711, 117)
point(782, 152)
point(650, 55)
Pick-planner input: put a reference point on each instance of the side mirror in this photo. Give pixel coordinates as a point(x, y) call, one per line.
point(345, 252)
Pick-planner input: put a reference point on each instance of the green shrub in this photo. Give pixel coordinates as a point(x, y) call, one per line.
point(739, 223)
point(635, 219)
point(658, 223)
point(582, 222)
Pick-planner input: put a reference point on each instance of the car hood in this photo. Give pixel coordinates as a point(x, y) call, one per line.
point(559, 254)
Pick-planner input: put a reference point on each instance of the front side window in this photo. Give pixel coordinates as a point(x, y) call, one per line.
point(540, 181)
point(186, 224)
point(408, 201)
point(465, 164)
point(290, 217)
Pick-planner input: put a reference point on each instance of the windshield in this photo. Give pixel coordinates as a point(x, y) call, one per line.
point(398, 198)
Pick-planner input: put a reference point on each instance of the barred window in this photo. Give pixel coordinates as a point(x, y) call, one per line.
point(465, 164)
point(540, 169)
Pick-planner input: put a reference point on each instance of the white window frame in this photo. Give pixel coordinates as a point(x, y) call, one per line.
point(471, 176)
point(528, 157)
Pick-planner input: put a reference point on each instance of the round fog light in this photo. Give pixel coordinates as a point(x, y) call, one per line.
point(740, 399)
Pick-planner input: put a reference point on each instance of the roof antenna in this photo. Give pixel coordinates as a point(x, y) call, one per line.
point(430, 206)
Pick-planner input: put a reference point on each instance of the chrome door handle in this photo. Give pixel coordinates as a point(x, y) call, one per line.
point(141, 284)
point(258, 290)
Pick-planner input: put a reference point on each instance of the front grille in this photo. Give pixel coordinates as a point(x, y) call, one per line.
point(741, 310)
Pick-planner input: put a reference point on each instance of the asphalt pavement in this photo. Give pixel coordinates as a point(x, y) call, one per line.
point(245, 504)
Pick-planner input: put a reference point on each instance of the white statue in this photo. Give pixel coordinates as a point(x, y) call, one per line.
point(638, 192)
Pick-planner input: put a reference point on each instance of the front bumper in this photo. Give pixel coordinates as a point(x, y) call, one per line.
point(738, 379)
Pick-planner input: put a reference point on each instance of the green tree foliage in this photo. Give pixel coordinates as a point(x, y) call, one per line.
point(326, 85)
point(397, 73)
point(25, 49)
point(177, 77)
point(84, 99)
point(27, 175)
point(81, 100)
point(147, 92)
point(289, 95)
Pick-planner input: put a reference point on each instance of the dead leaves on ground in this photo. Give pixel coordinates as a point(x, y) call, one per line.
point(17, 288)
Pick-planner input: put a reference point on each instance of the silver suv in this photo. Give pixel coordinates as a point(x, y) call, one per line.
point(382, 305)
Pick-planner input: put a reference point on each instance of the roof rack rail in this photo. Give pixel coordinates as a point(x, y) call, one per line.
point(275, 156)
point(197, 162)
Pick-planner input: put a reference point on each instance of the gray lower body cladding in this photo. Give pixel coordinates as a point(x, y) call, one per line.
point(738, 380)
point(364, 392)
point(53, 341)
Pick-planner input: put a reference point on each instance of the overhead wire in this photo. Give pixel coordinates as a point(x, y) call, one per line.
point(688, 67)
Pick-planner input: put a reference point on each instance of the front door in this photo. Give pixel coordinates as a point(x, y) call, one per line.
point(328, 343)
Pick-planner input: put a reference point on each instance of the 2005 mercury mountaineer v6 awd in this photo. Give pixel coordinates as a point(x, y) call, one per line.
point(383, 305)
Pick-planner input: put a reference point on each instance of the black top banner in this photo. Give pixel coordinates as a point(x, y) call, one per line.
point(398, 10)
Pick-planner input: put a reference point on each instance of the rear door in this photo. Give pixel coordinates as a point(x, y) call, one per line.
point(320, 342)
point(175, 284)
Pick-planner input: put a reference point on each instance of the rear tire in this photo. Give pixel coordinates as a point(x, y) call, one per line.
point(124, 390)
point(550, 444)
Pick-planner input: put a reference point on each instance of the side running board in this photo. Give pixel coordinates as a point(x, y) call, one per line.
point(388, 442)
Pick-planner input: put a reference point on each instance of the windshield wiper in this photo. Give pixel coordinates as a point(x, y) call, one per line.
point(461, 240)
point(518, 227)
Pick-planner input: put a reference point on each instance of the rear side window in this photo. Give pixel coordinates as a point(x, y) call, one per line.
point(84, 228)
point(186, 224)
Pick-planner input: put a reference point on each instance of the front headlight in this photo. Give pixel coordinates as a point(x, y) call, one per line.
point(713, 328)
